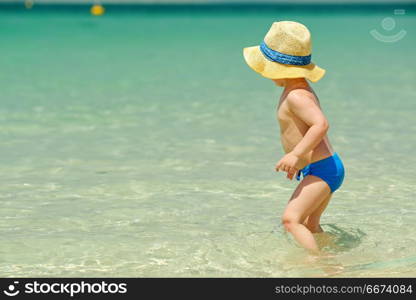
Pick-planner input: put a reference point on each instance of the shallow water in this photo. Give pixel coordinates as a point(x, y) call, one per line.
point(140, 144)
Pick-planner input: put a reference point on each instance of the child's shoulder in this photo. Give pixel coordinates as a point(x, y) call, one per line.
point(299, 96)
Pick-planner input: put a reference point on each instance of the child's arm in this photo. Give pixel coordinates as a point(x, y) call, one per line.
point(308, 111)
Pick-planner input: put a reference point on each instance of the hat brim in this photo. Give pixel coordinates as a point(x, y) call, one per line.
point(274, 70)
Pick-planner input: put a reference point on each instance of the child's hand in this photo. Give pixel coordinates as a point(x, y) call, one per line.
point(289, 163)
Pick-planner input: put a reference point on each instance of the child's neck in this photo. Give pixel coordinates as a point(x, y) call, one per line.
point(295, 83)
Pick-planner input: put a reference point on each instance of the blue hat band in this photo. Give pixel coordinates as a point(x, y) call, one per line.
point(282, 58)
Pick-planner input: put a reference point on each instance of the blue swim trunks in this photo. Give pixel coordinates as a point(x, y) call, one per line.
point(330, 169)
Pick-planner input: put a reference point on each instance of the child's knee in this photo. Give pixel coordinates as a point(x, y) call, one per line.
point(289, 220)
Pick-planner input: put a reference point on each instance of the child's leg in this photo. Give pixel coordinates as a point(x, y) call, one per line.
point(313, 220)
point(307, 197)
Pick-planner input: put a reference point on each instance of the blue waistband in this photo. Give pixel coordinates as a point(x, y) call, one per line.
point(282, 58)
point(333, 156)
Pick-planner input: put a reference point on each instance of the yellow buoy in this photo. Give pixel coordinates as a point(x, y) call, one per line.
point(29, 4)
point(97, 10)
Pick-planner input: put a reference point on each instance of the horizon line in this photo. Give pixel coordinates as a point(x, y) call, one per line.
point(205, 2)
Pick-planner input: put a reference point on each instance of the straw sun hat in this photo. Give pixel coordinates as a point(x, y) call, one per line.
point(284, 53)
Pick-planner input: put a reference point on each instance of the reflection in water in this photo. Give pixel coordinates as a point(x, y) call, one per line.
point(335, 239)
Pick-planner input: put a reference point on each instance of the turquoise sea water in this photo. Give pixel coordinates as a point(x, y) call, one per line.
point(140, 144)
